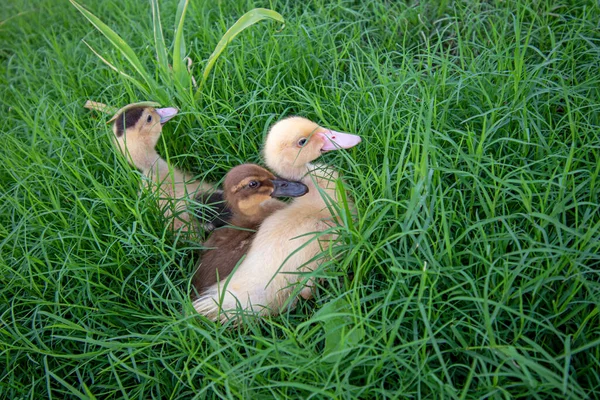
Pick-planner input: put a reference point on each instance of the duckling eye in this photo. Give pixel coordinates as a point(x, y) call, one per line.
point(149, 119)
point(253, 184)
point(302, 142)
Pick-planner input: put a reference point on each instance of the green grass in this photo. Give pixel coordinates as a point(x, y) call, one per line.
point(472, 270)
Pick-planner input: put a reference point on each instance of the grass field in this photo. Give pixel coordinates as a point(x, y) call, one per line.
point(472, 270)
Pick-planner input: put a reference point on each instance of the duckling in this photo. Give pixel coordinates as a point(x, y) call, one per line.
point(289, 240)
point(250, 193)
point(137, 128)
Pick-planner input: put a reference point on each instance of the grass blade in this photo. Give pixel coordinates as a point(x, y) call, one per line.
point(105, 108)
point(117, 42)
point(250, 18)
point(159, 41)
point(109, 64)
point(179, 69)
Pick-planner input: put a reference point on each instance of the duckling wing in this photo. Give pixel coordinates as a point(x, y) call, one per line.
point(225, 248)
point(213, 211)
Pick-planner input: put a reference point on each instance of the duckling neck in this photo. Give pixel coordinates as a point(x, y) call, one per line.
point(311, 174)
point(142, 158)
point(293, 172)
point(152, 165)
point(238, 218)
point(242, 220)
point(158, 170)
point(260, 213)
point(246, 223)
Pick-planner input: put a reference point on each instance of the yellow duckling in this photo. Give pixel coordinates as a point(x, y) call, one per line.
point(137, 128)
point(250, 193)
point(286, 242)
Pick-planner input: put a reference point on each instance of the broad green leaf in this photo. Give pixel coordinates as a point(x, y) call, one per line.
point(181, 9)
point(179, 69)
point(341, 333)
point(159, 42)
point(117, 42)
point(245, 21)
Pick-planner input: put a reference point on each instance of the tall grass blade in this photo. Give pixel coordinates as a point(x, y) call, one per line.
point(179, 68)
point(117, 42)
point(159, 42)
point(250, 18)
point(340, 332)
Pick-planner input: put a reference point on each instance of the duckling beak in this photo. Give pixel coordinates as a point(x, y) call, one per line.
point(339, 140)
point(283, 188)
point(166, 113)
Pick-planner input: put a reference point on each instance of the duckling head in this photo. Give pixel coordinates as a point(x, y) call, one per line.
point(137, 130)
point(248, 187)
point(294, 142)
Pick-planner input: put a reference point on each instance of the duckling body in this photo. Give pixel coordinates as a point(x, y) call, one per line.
point(289, 240)
point(137, 130)
point(249, 191)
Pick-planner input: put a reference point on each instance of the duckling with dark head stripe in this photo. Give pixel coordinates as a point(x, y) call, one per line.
point(249, 191)
point(137, 129)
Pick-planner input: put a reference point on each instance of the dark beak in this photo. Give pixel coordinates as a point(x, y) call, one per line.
point(283, 188)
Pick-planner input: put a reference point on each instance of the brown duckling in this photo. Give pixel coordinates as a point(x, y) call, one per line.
point(249, 191)
point(137, 128)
